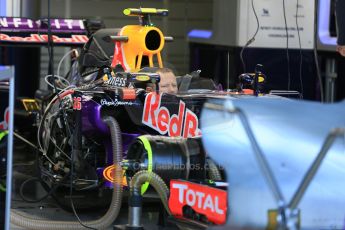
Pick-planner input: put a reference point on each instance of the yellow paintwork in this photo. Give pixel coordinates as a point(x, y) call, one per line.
point(135, 48)
point(30, 104)
point(142, 78)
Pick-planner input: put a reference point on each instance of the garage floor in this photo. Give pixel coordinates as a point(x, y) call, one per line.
point(24, 168)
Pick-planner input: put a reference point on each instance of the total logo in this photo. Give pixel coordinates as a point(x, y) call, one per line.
point(184, 124)
point(209, 201)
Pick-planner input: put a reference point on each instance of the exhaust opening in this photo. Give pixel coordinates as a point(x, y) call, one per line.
point(152, 40)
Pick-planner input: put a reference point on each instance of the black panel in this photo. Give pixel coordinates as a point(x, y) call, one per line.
point(213, 61)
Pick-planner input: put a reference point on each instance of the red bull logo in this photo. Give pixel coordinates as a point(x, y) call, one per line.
point(184, 124)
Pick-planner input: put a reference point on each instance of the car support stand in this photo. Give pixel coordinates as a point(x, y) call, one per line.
point(8, 73)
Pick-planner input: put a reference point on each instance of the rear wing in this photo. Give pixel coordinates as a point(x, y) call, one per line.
point(25, 31)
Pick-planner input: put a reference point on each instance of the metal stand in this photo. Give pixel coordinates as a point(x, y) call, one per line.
point(331, 76)
point(288, 214)
point(7, 73)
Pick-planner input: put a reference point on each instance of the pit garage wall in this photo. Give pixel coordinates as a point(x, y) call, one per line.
point(218, 55)
point(25, 59)
point(184, 15)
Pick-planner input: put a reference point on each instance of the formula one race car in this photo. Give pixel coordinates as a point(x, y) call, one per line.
point(106, 126)
point(77, 122)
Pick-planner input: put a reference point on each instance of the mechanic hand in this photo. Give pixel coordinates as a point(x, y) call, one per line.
point(341, 50)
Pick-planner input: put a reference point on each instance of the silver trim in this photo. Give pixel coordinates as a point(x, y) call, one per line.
point(8, 73)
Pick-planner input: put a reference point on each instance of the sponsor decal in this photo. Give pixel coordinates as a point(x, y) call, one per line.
point(76, 103)
point(117, 81)
point(142, 78)
point(4, 123)
point(17, 23)
point(42, 38)
point(184, 124)
point(108, 174)
point(116, 102)
point(24, 24)
point(203, 199)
